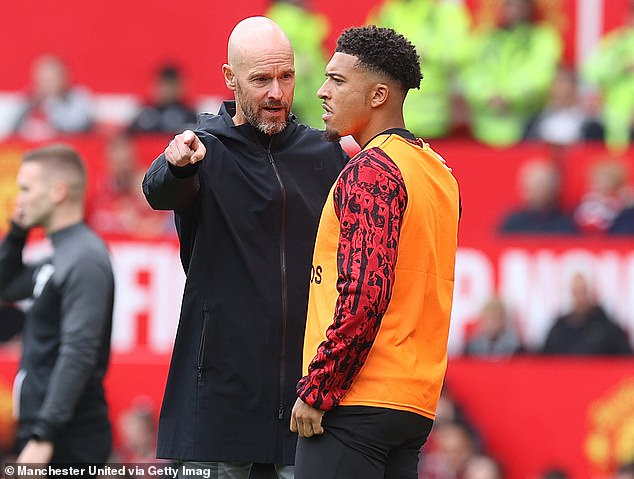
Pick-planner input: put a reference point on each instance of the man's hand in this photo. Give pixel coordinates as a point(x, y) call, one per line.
point(19, 218)
point(36, 452)
point(306, 420)
point(185, 149)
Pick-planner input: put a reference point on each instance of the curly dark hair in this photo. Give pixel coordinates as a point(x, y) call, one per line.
point(384, 51)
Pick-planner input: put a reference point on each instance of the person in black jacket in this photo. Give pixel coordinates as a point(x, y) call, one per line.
point(586, 329)
point(247, 188)
point(63, 415)
point(167, 112)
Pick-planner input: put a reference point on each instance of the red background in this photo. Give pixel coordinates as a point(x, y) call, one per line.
point(532, 412)
point(115, 46)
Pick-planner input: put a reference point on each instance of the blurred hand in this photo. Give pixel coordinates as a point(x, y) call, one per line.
point(36, 452)
point(19, 218)
point(306, 420)
point(185, 149)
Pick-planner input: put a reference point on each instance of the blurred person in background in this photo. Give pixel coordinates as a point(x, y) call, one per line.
point(586, 329)
point(440, 31)
point(563, 121)
point(625, 471)
point(611, 69)
point(555, 473)
point(167, 112)
point(63, 415)
point(540, 211)
point(55, 106)
point(495, 334)
point(623, 223)
point(608, 195)
point(449, 411)
point(483, 467)
point(307, 31)
point(455, 447)
point(118, 206)
point(247, 188)
point(137, 431)
point(508, 72)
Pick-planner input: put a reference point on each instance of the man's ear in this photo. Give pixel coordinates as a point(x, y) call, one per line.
point(59, 192)
point(229, 76)
point(380, 94)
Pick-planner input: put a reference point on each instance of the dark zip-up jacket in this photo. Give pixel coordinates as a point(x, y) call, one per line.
point(246, 217)
point(65, 341)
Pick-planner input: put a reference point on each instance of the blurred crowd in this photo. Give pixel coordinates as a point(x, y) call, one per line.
point(605, 207)
point(500, 83)
point(504, 80)
point(584, 329)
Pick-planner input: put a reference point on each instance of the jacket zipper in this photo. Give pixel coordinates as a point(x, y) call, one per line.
point(280, 411)
point(203, 341)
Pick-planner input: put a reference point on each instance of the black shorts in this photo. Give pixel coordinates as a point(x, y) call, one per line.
point(363, 442)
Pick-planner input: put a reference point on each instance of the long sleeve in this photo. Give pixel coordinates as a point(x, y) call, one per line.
point(370, 200)
point(609, 63)
point(16, 278)
point(170, 188)
point(87, 295)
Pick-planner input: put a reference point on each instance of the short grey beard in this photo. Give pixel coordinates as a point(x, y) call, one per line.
point(268, 128)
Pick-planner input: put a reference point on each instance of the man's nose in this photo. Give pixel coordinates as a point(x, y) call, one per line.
point(322, 93)
point(275, 91)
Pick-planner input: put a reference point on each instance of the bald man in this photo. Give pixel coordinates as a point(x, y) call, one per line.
point(247, 188)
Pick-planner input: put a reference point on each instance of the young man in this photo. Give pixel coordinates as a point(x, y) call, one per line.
point(63, 417)
point(375, 349)
point(247, 216)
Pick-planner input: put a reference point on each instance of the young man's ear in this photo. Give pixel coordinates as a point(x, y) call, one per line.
point(229, 76)
point(380, 94)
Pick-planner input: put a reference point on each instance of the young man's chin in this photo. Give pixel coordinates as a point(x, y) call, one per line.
point(331, 135)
